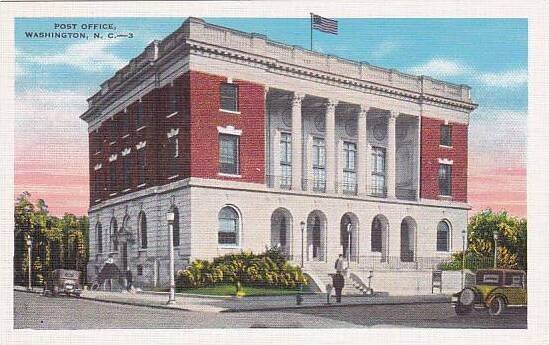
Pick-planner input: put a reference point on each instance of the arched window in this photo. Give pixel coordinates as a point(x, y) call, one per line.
point(443, 236)
point(99, 237)
point(228, 226)
point(113, 232)
point(142, 225)
point(176, 237)
point(376, 236)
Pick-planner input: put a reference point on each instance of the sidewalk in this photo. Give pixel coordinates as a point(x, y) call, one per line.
point(259, 303)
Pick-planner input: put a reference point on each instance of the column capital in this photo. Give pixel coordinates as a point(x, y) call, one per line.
point(363, 110)
point(297, 97)
point(331, 103)
point(393, 114)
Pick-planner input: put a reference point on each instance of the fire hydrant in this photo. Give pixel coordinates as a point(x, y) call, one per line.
point(299, 296)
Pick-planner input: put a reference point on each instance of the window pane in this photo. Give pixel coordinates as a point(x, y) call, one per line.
point(140, 114)
point(228, 226)
point(228, 154)
point(445, 135)
point(173, 99)
point(229, 96)
point(443, 232)
point(445, 179)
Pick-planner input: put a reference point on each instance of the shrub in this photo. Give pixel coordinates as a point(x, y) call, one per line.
point(268, 269)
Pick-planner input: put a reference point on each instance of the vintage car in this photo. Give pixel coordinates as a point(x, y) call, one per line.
point(63, 281)
point(495, 290)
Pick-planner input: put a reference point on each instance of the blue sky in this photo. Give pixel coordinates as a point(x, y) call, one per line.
point(490, 55)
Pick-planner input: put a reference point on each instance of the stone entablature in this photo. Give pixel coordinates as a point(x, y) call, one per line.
point(255, 49)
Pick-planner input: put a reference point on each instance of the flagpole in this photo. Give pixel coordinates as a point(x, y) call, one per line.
point(311, 25)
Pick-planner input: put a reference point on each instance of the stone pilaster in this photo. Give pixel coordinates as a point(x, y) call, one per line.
point(330, 146)
point(297, 145)
point(363, 151)
point(391, 154)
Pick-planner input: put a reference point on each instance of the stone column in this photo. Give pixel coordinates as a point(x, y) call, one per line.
point(391, 154)
point(362, 128)
point(330, 146)
point(297, 145)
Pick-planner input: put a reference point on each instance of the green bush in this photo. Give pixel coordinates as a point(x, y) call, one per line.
point(268, 269)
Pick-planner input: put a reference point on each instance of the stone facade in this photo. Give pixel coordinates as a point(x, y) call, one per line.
point(359, 176)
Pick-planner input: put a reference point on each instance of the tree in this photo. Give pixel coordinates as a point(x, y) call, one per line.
point(511, 247)
point(57, 243)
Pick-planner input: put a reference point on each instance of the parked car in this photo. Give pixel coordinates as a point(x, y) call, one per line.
point(63, 281)
point(495, 290)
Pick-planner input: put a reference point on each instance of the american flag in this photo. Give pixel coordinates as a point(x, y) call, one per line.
point(324, 24)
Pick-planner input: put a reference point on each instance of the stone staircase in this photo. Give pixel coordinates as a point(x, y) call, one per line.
point(320, 275)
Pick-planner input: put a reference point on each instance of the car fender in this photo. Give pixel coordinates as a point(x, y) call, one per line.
point(495, 293)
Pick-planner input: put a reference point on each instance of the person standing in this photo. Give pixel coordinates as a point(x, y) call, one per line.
point(338, 283)
point(341, 264)
point(129, 280)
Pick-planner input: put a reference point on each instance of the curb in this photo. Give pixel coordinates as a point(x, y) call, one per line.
point(223, 297)
point(261, 309)
point(331, 305)
point(157, 306)
point(115, 302)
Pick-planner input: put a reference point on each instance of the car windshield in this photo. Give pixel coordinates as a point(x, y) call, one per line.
point(489, 278)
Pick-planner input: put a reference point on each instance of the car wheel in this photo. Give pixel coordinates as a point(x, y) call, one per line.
point(497, 306)
point(461, 309)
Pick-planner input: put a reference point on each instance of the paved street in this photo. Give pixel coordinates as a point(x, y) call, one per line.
point(38, 312)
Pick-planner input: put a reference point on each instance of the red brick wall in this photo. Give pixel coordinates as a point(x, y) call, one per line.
point(198, 138)
point(431, 151)
point(154, 133)
point(206, 116)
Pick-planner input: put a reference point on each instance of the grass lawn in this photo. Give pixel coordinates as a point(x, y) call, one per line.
point(230, 290)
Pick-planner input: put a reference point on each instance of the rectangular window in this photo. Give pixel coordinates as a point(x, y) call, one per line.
point(126, 171)
point(113, 130)
point(97, 183)
point(141, 163)
point(124, 125)
point(174, 155)
point(445, 179)
point(349, 168)
point(286, 160)
point(378, 172)
point(228, 97)
point(319, 165)
point(112, 176)
point(445, 135)
point(173, 101)
point(140, 115)
point(228, 154)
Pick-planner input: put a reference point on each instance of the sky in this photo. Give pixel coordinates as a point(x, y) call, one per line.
point(55, 76)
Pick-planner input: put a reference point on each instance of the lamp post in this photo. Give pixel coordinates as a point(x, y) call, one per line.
point(170, 217)
point(463, 239)
point(302, 224)
point(495, 249)
point(29, 249)
point(349, 228)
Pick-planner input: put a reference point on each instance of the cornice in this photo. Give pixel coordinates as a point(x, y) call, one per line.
point(303, 72)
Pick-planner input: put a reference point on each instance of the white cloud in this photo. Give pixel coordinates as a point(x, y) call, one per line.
point(48, 130)
point(91, 56)
point(440, 68)
point(499, 134)
point(512, 78)
point(383, 49)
